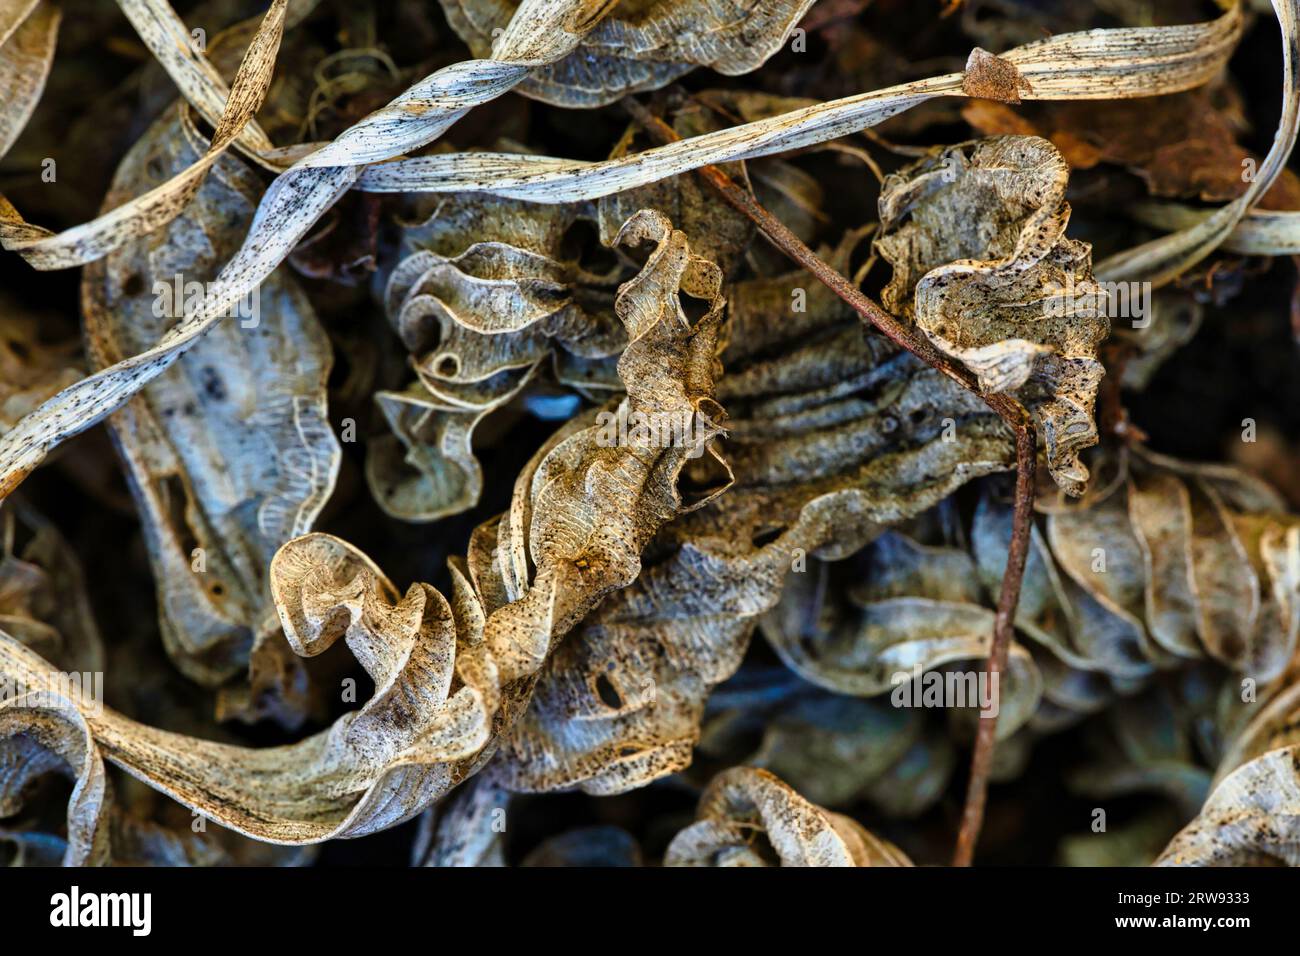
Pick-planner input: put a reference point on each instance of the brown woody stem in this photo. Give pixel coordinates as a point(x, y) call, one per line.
point(972, 818)
point(1006, 407)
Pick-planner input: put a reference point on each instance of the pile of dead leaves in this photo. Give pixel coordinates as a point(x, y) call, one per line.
point(411, 412)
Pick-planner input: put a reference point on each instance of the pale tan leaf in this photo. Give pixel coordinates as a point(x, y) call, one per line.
point(748, 817)
point(976, 237)
point(1251, 819)
point(27, 36)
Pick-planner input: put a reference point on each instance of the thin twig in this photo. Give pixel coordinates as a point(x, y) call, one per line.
point(1006, 407)
point(972, 818)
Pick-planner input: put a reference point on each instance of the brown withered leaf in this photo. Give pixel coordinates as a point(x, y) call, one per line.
point(426, 468)
point(1250, 816)
point(484, 291)
point(1184, 146)
point(748, 817)
point(833, 749)
point(466, 828)
point(27, 37)
point(1170, 562)
point(474, 268)
point(485, 294)
point(40, 732)
point(44, 733)
point(719, 233)
point(990, 77)
point(836, 750)
point(1154, 60)
point(976, 236)
point(1184, 611)
point(801, 473)
point(1096, 594)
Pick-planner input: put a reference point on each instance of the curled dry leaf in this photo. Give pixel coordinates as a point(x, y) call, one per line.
point(596, 634)
point(40, 732)
point(913, 610)
point(163, 201)
point(542, 31)
point(481, 297)
point(835, 750)
point(1184, 149)
point(44, 733)
point(1162, 260)
point(1169, 562)
point(426, 469)
point(976, 237)
point(1158, 60)
point(466, 829)
point(43, 600)
point(748, 817)
point(485, 294)
point(1250, 817)
point(828, 445)
point(1117, 589)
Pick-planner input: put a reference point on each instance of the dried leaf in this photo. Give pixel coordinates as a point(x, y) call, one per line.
point(539, 336)
point(640, 48)
point(163, 202)
point(1249, 820)
point(229, 451)
point(976, 236)
point(1157, 60)
point(43, 599)
point(748, 817)
point(40, 728)
point(482, 298)
point(828, 446)
point(27, 35)
point(880, 646)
